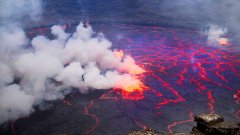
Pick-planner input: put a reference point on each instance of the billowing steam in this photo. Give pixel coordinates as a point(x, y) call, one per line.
point(48, 68)
point(216, 36)
point(12, 10)
point(82, 60)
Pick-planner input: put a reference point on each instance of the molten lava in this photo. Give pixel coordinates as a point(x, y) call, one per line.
point(182, 74)
point(133, 90)
point(134, 87)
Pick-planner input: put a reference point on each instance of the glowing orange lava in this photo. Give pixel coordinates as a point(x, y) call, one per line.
point(134, 90)
point(135, 87)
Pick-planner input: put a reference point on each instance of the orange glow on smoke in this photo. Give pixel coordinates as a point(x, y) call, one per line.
point(136, 70)
point(134, 90)
point(118, 54)
point(223, 41)
point(131, 67)
point(134, 87)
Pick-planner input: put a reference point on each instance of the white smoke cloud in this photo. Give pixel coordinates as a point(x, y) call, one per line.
point(51, 66)
point(6, 35)
point(14, 102)
point(16, 9)
point(6, 73)
point(71, 75)
point(216, 36)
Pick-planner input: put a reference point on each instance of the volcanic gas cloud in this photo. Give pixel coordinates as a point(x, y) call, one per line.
point(48, 68)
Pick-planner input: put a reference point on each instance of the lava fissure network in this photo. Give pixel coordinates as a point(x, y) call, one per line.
point(182, 75)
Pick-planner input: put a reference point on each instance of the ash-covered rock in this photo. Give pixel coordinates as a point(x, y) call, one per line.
point(213, 124)
point(207, 124)
point(208, 119)
point(148, 131)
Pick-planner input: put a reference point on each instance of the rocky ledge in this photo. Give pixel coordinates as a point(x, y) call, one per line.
point(213, 124)
point(207, 124)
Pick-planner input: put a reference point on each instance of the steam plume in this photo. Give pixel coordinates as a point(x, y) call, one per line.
point(49, 68)
point(215, 36)
point(15, 10)
point(81, 60)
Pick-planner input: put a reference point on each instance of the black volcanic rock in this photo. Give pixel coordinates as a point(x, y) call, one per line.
point(148, 131)
point(207, 124)
point(208, 119)
point(226, 128)
point(213, 124)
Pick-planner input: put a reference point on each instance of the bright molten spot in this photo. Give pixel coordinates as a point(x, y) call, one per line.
point(134, 87)
point(133, 90)
point(130, 89)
